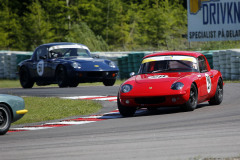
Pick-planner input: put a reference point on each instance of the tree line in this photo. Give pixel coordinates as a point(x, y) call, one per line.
point(102, 25)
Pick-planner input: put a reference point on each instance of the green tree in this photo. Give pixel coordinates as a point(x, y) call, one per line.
point(163, 24)
point(4, 16)
point(38, 29)
point(57, 13)
point(81, 33)
point(122, 24)
point(11, 34)
point(174, 16)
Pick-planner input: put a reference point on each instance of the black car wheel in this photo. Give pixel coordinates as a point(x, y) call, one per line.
point(73, 84)
point(5, 119)
point(109, 82)
point(61, 77)
point(218, 97)
point(125, 111)
point(191, 104)
point(25, 79)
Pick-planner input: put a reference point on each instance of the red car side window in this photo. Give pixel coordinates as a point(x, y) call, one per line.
point(202, 64)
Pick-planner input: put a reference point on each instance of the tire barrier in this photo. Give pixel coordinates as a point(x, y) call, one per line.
point(127, 62)
point(226, 61)
point(9, 61)
point(235, 64)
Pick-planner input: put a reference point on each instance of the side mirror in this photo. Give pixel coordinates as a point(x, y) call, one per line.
point(132, 74)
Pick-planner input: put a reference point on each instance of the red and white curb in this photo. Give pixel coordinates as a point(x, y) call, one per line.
point(98, 98)
point(81, 120)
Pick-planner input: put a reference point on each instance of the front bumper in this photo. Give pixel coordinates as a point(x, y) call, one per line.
point(24, 111)
point(93, 76)
point(154, 101)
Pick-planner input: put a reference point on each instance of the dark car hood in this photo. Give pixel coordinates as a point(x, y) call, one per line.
point(82, 60)
point(91, 64)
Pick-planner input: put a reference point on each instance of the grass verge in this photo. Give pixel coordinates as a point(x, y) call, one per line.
point(45, 109)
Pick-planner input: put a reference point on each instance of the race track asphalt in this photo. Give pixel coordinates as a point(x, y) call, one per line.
point(165, 134)
point(62, 92)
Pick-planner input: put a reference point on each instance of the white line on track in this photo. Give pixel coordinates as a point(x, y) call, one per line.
point(70, 122)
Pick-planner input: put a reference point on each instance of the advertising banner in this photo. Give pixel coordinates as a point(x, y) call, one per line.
point(213, 20)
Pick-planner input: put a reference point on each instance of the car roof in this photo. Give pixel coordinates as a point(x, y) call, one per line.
point(184, 53)
point(61, 43)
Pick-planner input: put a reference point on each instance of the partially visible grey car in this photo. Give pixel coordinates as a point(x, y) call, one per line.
point(12, 108)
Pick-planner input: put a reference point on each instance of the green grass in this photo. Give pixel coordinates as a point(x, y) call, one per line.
point(45, 109)
point(9, 84)
point(16, 84)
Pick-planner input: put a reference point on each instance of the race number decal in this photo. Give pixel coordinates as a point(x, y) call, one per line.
point(40, 68)
point(209, 83)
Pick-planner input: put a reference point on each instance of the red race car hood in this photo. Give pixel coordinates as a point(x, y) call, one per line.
point(160, 78)
point(156, 84)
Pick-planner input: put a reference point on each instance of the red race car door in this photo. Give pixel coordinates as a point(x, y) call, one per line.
point(205, 78)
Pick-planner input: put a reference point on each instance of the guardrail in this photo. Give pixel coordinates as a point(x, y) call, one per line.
point(9, 61)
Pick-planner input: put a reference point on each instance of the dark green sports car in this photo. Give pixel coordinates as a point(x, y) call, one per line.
point(12, 108)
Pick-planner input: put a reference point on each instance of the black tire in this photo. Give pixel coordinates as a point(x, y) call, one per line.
point(5, 119)
point(25, 79)
point(125, 111)
point(191, 104)
point(73, 84)
point(218, 97)
point(61, 77)
point(109, 82)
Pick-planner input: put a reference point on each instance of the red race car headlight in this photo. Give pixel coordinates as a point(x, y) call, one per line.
point(126, 88)
point(177, 86)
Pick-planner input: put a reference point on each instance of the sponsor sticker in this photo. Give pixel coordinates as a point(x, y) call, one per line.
point(158, 77)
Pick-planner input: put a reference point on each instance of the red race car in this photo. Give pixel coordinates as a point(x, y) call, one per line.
point(178, 78)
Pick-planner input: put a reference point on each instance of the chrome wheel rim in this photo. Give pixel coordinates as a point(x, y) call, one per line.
point(220, 92)
point(3, 117)
point(192, 97)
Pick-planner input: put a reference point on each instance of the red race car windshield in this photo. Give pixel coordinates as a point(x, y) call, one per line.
point(169, 64)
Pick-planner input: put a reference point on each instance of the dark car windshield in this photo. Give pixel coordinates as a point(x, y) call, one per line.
point(69, 52)
point(169, 64)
